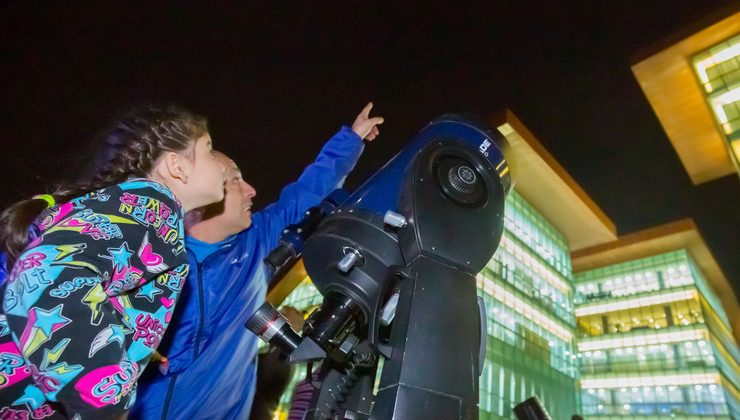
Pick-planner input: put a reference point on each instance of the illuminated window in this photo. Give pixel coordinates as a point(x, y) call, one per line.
point(718, 70)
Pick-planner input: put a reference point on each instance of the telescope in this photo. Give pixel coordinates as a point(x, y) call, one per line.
point(396, 264)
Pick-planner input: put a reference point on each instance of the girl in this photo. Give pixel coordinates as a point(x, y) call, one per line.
point(88, 298)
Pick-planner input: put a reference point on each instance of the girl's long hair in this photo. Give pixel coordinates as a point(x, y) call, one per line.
point(131, 149)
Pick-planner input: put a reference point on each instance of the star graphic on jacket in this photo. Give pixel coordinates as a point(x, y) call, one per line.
point(120, 256)
point(51, 320)
point(148, 291)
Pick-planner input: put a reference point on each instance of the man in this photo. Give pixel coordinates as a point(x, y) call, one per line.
point(210, 367)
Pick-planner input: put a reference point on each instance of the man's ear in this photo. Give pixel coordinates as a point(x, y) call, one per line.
point(177, 166)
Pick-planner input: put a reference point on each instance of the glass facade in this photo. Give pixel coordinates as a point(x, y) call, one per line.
point(528, 290)
point(641, 339)
point(654, 342)
point(718, 70)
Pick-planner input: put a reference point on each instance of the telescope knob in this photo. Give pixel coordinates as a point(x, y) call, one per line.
point(462, 178)
point(351, 258)
point(394, 219)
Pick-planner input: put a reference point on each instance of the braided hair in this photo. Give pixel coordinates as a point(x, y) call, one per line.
point(131, 149)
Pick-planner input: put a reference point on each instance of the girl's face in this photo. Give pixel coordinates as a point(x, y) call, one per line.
point(206, 178)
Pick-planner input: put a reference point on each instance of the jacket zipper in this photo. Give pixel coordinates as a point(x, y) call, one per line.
point(199, 331)
point(168, 398)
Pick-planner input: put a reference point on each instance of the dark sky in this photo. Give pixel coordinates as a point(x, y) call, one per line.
point(276, 81)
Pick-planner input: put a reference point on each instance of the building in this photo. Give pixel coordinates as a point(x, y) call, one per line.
point(654, 338)
point(693, 85)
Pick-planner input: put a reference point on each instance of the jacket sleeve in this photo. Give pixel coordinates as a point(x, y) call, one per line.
point(327, 173)
point(104, 252)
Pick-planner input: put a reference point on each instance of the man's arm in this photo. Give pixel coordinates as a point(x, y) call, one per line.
point(327, 173)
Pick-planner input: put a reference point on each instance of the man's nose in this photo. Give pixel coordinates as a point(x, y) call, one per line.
point(249, 191)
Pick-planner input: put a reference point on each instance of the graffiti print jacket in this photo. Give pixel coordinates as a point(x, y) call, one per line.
point(88, 301)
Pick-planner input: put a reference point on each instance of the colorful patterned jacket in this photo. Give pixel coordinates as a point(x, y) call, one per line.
point(88, 301)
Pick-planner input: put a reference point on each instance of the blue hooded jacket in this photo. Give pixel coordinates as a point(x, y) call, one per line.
point(212, 356)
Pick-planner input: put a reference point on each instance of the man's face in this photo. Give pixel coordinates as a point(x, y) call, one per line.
point(237, 197)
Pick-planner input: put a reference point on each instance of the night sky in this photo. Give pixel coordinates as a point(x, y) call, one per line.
point(276, 81)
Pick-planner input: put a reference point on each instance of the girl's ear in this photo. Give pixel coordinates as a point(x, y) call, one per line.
point(177, 166)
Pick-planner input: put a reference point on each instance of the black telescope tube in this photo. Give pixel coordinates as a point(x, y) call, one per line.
point(280, 256)
point(335, 313)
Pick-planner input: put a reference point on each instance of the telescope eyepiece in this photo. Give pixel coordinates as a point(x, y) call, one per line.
point(270, 326)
